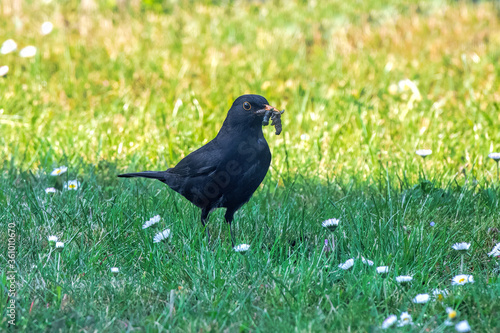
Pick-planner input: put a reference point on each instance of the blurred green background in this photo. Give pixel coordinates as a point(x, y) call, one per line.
point(144, 83)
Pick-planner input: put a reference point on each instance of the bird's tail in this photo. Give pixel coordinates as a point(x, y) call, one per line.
point(145, 174)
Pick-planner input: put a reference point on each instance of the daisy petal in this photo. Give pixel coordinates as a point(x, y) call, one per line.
point(366, 261)
point(155, 219)
point(440, 294)
point(161, 236)
point(461, 246)
point(462, 279)
point(330, 224)
point(496, 251)
point(241, 248)
point(405, 319)
point(389, 321)
point(421, 299)
point(72, 185)
point(403, 278)
point(423, 152)
point(46, 28)
point(463, 326)
point(348, 264)
point(383, 269)
point(28, 52)
point(50, 190)
point(52, 239)
point(4, 70)
point(494, 156)
point(8, 46)
point(59, 171)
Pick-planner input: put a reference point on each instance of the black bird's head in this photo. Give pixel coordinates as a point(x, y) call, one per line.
point(249, 111)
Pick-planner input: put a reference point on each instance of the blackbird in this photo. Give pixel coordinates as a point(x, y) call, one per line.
point(227, 170)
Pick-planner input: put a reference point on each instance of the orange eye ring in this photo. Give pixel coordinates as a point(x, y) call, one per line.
point(247, 106)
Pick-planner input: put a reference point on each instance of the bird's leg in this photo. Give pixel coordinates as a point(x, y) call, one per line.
point(204, 216)
point(229, 219)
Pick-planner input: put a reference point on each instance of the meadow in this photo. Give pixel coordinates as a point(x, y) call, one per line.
point(114, 88)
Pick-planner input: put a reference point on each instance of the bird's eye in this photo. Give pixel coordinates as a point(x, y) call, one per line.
point(247, 106)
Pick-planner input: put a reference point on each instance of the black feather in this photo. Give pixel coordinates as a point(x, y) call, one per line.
point(145, 174)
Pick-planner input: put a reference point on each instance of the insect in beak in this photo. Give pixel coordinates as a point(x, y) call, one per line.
point(270, 112)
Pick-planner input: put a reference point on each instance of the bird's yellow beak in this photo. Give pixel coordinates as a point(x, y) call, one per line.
point(271, 108)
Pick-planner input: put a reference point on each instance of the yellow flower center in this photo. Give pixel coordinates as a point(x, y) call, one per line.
point(440, 297)
point(58, 171)
point(452, 314)
point(461, 280)
point(405, 319)
point(72, 186)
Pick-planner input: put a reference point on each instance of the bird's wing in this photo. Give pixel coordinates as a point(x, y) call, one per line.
point(202, 161)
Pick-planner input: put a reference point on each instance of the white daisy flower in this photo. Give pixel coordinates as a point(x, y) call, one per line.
point(383, 269)
point(440, 294)
point(496, 251)
point(72, 185)
point(389, 321)
point(59, 171)
point(404, 319)
point(242, 248)
point(46, 28)
point(161, 236)
point(330, 224)
point(50, 190)
point(462, 279)
point(421, 298)
point(461, 246)
point(403, 278)
point(452, 314)
point(463, 326)
point(475, 58)
point(494, 156)
point(393, 89)
point(366, 261)
point(407, 84)
point(348, 264)
point(8, 46)
point(448, 322)
point(52, 239)
point(28, 52)
point(151, 221)
point(115, 270)
point(4, 70)
point(59, 245)
point(423, 152)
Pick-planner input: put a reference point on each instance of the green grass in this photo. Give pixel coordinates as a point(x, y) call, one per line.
point(105, 85)
point(113, 90)
point(286, 281)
